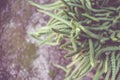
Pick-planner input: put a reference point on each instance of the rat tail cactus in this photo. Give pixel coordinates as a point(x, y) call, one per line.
point(89, 30)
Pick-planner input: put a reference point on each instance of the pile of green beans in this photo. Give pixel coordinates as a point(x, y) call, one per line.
point(89, 30)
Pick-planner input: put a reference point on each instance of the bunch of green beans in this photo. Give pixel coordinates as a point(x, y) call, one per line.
point(89, 30)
